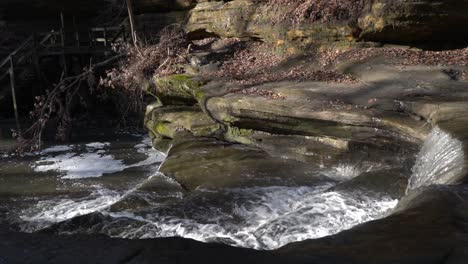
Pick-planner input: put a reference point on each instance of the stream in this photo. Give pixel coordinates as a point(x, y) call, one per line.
point(117, 181)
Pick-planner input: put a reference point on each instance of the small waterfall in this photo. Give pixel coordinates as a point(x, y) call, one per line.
point(260, 217)
point(256, 217)
point(440, 160)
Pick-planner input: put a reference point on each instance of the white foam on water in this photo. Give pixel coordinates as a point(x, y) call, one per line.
point(58, 148)
point(261, 217)
point(154, 156)
point(346, 171)
point(144, 145)
point(95, 162)
point(48, 212)
point(86, 165)
point(98, 145)
point(440, 160)
point(253, 217)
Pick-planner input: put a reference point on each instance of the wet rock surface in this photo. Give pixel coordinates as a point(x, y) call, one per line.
point(213, 164)
point(382, 119)
point(325, 121)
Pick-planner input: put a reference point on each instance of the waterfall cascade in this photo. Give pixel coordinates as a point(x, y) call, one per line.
point(440, 160)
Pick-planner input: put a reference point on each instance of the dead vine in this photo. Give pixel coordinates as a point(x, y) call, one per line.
point(56, 103)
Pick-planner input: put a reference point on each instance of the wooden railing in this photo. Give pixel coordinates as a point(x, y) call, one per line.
point(10, 59)
point(55, 43)
point(43, 42)
point(119, 32)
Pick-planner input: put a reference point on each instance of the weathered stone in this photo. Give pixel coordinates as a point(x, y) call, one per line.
point(318, 150)
point(327, 123)
point(415, 21)
point(209, 163)
point(224, 19)
point(174, 89)
point(407, 21)
point(166, 122)
point(249, 19)
point(302, 113)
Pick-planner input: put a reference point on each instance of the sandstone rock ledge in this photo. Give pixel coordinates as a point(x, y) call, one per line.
point(382, 118)
point(406, 21)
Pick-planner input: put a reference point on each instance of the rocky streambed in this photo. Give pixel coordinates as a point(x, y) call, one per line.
point(285, 151)
point(370, 171)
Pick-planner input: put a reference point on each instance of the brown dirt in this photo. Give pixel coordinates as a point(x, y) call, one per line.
point(257, 63)
point(318, 10)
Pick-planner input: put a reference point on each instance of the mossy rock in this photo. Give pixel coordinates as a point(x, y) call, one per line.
point(175, 89)
point(239, 135)
point(176, 121)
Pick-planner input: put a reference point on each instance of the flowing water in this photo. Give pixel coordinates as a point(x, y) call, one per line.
point(440, 160)
point(119, 179)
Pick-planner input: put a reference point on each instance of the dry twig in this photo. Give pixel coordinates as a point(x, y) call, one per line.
point(56, 103)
